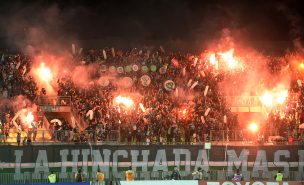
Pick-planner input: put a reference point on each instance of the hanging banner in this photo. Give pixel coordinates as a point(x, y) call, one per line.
point(169, 85)
point(252, 160)
point(145, 80)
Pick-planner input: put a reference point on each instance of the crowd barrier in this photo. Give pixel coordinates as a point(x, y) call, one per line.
point(54, 101)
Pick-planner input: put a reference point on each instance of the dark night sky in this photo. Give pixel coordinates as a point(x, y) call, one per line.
point(180, 23)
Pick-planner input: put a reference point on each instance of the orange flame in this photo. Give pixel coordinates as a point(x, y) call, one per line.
point(44, 73)
point(253, 127)
point(29, 117)
point(126, 101)
point(274, 97)
point(228, 57)
point(212, 59)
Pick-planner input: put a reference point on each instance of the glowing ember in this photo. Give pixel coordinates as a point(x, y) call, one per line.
point(229, 58)
point(44, 73)
point(126, 101)
point(302, 65)
point(253, 127)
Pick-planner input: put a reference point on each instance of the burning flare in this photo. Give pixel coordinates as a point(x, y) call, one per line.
point(29, 118)
point(212, 59)
point(229, 59)
point(44, 73)
point(126, 101)
point(253, 127)
point(274, 97)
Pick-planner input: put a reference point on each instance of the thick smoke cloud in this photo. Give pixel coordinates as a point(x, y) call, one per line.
point(179, 25)
point(35, 27)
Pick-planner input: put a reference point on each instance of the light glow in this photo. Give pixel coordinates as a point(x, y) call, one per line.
point(44, 73)
point(126, 101)
point(229, 59)
point(253, 127)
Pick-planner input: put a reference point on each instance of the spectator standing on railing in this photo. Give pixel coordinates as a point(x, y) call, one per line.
point(2, 133)
point(34, 127)
point(75, 136)
point(18, 137)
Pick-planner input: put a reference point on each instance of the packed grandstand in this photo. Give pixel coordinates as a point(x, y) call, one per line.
point(151, 96)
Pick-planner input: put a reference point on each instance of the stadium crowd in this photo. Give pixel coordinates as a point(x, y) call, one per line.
point(172, 96)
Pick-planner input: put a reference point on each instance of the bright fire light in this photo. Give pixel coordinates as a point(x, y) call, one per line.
point(126, 101)
point(212, 59)
point(44, 73)
point(29, 117)
point(274, 97)
point(253, 127)
point(282, 96)
point(229, 58)
point(302, 65)
point(267, 99)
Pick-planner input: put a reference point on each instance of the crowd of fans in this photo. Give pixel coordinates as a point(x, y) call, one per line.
point(183, 111)
point(168, 115)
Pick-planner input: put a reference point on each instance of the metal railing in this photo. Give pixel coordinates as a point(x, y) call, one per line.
point(42, 136)
point(227, 135)
point(216, 137)
point(31, 177)
point(54, 101)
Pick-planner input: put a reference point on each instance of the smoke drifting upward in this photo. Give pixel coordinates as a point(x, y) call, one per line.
point(16, 104)
point(35, 28)
point(83, 76)
point(252, 73)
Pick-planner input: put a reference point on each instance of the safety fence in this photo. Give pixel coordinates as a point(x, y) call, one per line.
point(114, 136)
point(59, 136)
point(30, 177)
point(54, 101)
